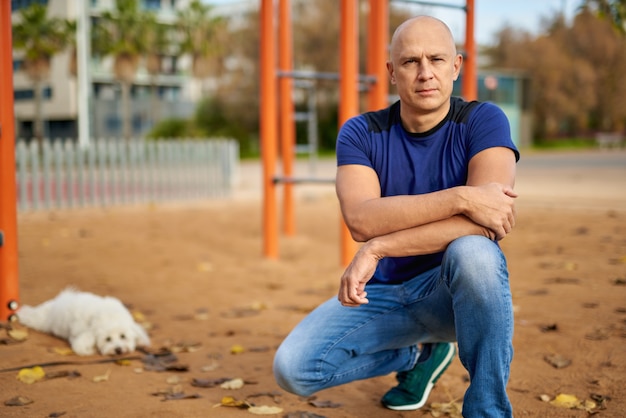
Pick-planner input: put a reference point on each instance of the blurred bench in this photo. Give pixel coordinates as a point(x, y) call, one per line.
point(607, 140)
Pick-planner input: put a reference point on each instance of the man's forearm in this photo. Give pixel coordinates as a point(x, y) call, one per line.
point(382, 216)
point(425, 239)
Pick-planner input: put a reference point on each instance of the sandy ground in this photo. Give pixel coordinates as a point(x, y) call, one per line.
point(196, 274)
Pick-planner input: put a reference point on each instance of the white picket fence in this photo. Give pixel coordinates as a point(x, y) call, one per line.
point(63, 174)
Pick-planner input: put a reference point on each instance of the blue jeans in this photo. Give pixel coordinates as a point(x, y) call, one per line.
point(467, 299)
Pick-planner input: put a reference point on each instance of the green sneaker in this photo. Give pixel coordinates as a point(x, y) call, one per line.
point(415, 385)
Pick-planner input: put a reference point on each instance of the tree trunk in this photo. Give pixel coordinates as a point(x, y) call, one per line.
point(38, 119)
point(154, 103)
point(126, 111)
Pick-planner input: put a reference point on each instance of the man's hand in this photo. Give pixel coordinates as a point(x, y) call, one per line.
point(352, 287)
point(492, 206)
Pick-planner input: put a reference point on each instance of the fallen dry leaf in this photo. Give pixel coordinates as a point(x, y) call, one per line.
point(172, 380)
point(598, 334)
point(63, 373)
point(549, 328)
point(237, 349)
point(557, 361)
point(324, 404)
point(102, 378)
point(208, 383)
point(232, 384)
point(64, 351)
point(161, 362)
point(18, 334)
point(265, 410)
point(186, 347)
point(30, 376)
point(232, 402)
point(303, 414)
point(563, 400)
point(18, 401)
point(180, 396)
point(449, 409)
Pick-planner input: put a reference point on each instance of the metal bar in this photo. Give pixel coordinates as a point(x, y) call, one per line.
point(377, 46)
point(302, 180)
point(287, 108)
point(268, 128)
point(9, 278)
point(432, 3)
point(470, 83)
point(349, 103)
point(320, 75)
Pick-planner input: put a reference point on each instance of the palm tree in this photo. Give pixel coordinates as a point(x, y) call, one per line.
point(122, 34)
point(158, 45)
point(200, 37)
point(40, 37)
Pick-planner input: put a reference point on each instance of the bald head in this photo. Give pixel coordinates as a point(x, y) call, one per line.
point(421, 26)
point(423, 65)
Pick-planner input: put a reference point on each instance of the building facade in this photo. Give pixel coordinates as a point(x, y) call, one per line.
point(169, 94)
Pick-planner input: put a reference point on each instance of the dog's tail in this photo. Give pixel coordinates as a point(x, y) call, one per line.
point(35, 317)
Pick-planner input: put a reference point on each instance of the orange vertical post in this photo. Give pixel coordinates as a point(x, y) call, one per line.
point(268, 128)
point(470, 79)
point(348, 94)
point(287, 125)
point(9, 284)
point(377, 54)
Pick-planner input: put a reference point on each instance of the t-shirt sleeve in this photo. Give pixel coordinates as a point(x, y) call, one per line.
point(352, 143)
point(489, 127)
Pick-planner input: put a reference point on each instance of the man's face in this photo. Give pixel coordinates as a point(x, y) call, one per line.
point(423, 66)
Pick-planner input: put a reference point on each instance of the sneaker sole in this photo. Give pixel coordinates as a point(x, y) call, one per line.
point(433, 379)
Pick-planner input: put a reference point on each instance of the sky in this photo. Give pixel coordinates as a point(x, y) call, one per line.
point(491, 15)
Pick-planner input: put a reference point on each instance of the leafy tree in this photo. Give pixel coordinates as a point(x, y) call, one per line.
point(158, 44)
point(575, 73)
point(122, 34)
point(595, 40)
point(40, 37)
point(613, 10)
point(200, 34)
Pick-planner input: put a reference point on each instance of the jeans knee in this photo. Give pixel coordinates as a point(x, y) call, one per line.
point(476, 261)
point(287, 374)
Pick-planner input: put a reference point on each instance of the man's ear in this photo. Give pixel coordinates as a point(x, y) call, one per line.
point(390, 70)
point(458, 62)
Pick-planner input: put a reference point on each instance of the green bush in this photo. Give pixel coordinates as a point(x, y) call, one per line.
point(171, 128)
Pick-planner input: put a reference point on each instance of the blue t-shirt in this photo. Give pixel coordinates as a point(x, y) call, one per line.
point(410, 163)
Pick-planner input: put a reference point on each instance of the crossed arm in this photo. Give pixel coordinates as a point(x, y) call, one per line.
point(400, 226)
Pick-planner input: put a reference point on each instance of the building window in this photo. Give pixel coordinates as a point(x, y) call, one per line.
point(113, 124)
point(23, 4)
point(152, 4)
point(17, 65)
point(29, 94)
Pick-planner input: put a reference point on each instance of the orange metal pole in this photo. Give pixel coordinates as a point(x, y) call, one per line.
point(9, 283)
point(287, 125)
point(348, 94)
point(377, 45)
point(268, 128)
point(470, 78)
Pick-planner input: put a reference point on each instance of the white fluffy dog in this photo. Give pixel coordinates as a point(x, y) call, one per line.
point(90, 323)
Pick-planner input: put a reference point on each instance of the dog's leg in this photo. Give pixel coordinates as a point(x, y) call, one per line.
point(36, 317)
point(83, 344)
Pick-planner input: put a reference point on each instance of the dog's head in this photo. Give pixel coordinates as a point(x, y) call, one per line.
point(120, 338)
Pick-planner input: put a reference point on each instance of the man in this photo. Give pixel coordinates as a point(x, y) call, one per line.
point(427, 186)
